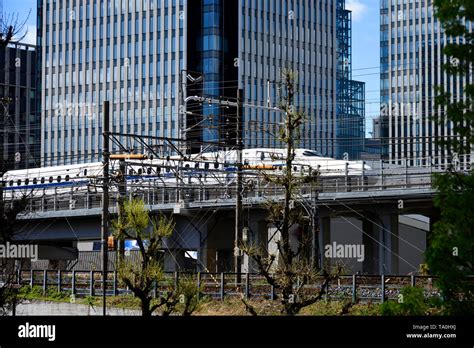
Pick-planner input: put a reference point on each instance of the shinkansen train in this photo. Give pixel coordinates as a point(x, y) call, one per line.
point(211, 168)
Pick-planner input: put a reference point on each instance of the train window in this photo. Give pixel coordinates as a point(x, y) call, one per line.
point(11, 184)
point(51, 179)
point(187, 167)
point(311, 154)
point(216, 165)
point(35, 181)
point(58, 179)
point(196, 166)
point(140, 171)
point(158, 170)
point(18, 182)
point(262, 156)
point(85, 172)
point(67, 177)
point(276, 156)
point(130, 172)
point(149, 171)
point(42, 180)
point(206, 165)
point(27, 181)
point(295, 168)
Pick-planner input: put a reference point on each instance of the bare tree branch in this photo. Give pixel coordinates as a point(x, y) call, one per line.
point(12, 30)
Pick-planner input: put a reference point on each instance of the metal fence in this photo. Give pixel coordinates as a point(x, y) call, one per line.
point(255, 190)
point(375, 288)
point(381, 176)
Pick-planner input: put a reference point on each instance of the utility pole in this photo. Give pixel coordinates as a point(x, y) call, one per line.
point(238, 204)
point(5, 103)
point(2, 142)
point(182, 112)
point(122, 193)
point(315, 250)
point(105, 201)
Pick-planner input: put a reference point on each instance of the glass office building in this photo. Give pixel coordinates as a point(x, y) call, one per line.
point(313, 39)
point(350, 105)
point(412, 60)
point(19, 122)
point(137, 54)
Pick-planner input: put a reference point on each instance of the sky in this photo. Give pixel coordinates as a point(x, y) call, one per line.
point(366, 53)
point(365, 45)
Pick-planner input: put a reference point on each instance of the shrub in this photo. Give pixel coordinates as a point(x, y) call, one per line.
point(31, 292)
point(412, 302)
point(57, 295)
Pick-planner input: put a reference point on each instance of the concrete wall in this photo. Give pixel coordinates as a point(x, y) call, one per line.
point(411, 240)
point(347, 231)
point(64, 309)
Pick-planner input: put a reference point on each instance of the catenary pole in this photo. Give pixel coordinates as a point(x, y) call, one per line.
point(105, 202)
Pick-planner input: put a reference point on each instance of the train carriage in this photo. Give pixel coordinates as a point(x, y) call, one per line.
point(211, 168)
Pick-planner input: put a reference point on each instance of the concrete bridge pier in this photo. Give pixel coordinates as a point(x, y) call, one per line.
point(388, 247)
point(188, 239)
point(370, 238)
point(174, 260)
point(273, 236)
point(324, 238)
point(257, 235)
point(380, 240)
point(218, 244)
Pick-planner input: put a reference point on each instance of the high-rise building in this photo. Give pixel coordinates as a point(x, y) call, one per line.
point(412, 59)
point(19, 122)
point(350, 94)
point(139, 55)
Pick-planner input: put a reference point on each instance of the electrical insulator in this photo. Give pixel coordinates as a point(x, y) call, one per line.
point(245, 234)
point(111, 242)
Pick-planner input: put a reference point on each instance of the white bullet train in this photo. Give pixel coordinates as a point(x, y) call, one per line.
point(211, 168)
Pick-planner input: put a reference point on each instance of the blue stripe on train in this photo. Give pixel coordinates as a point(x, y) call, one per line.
point(86, 182)
point(38, 186)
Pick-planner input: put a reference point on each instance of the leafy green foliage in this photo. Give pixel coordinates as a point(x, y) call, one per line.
point(58, 295)
point(9, 211)
point(31, 292)
point(413, 303)
point(149, 233)
point(188, 294)
point(135, 224)
point(450, 252)
point(36, 293)
point(452, 15)
point(450, 255)
point(90, 301)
